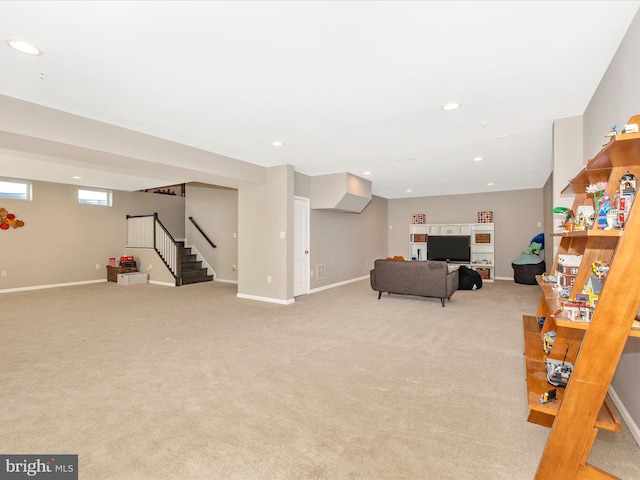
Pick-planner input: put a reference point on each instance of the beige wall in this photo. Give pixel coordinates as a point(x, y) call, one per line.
point(614, 102)
point(347, 244)
point(215, 210)
point(568, 160)
point(516, 215)
point(63, 241)
point(265, 215)
point(548, 222)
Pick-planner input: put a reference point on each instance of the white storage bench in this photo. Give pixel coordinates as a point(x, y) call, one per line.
point(132, 278)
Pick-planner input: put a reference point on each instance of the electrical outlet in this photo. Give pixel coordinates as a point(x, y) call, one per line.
point(149, 268)
point(4, 273)
point(234, 268)
point(97, 266)
point(268, 278)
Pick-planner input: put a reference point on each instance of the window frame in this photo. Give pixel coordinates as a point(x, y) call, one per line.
point(108, 202)
point(27, 183)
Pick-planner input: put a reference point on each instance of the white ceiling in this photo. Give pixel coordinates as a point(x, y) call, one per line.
point(346, 86)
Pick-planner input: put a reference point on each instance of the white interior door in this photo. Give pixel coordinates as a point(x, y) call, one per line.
point(301, 269)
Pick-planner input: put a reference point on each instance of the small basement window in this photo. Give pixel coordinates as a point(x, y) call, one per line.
point(15, 189)
point(91, 196)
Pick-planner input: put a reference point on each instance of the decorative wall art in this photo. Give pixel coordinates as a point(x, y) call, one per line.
point(485, 217)
point(419, 219)
point(9, 220)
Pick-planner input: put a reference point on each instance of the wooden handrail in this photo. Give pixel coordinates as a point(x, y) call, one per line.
point(203, 234)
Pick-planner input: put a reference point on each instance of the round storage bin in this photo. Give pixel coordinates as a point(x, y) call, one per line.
point(526, 274)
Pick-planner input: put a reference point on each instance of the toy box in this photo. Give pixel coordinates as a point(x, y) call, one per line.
point(132, 278)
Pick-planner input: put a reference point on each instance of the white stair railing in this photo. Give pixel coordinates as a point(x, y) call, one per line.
point(147, 231)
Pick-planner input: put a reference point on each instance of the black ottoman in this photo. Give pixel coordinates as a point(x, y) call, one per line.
point(526, 274)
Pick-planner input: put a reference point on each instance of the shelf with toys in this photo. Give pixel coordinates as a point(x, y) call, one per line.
point(537, 384)
point(587, 311)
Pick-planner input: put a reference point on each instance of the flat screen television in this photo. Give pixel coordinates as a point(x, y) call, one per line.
point(452, 248)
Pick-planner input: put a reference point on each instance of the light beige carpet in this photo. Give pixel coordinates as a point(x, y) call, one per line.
point(151, 382)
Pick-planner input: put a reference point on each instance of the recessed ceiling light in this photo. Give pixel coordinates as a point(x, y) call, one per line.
point(489, 184)
point(478, 159)
point(76, 177)
point(277, 143)
point(408, 190)
point(23, 47)
point(451, 106)
point(367, 173)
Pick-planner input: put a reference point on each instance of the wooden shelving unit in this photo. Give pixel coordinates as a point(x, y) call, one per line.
point(595, 347)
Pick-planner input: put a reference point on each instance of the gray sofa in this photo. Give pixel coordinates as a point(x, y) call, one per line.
point(426, 279)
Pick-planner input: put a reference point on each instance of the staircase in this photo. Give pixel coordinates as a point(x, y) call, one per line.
point(191, 269)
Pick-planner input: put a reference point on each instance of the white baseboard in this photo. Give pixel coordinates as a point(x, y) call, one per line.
point(628, 419)
point(339, 284)
point(54, 285)
point(164, 284)
point(265, 299)
point(222, 280)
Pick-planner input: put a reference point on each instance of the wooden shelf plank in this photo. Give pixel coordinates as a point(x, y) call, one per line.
point(550, 296)
point(590, 233)
point(561, 319)
point(589, 472)
point(622, 150)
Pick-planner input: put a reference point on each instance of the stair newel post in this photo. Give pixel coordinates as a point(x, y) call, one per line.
point(178, 265)
point(155, 235)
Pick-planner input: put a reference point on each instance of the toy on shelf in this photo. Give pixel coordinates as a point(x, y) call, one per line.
point(577, 309)
point(549, 396)
point(624, 197)
point(547, 341)
point(569, 218)
point(605, 207)
point(600, 269)
point(559, 371)
point(567, 269)
point(613, 131)
point(597, 190)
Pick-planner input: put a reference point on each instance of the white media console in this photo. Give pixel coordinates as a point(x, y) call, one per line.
point(481, 244)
